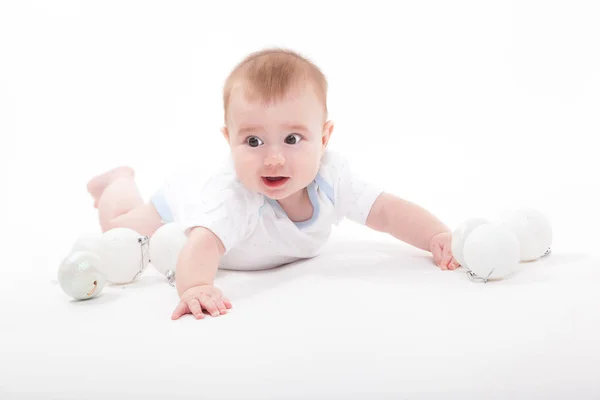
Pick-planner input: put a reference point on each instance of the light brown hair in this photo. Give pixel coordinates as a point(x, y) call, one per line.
point(271, 73)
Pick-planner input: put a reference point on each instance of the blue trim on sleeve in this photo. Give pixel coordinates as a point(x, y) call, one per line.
point(162, 207)
point(325, 187)
point(312, 195)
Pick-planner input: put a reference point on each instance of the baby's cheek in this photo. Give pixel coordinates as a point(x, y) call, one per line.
point(245, 165)
point(244, 158)
point(307, 164)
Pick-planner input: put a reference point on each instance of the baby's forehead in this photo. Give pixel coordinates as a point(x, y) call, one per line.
point(246, 93)
point(302, 104)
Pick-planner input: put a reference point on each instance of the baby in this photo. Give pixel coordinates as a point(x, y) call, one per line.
point(277, 196)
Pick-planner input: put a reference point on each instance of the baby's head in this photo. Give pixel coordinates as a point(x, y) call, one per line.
point(276, 121)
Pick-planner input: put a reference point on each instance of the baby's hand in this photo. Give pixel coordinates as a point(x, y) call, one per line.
point(197, 298)
point(441, 248)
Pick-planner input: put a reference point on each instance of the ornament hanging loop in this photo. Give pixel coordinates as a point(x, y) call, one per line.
point(144, 243)
point(170, 275)
point(472, 276)
point(547, 253)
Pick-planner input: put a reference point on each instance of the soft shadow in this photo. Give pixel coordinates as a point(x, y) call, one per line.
point(384, 263)
point(101, 298)
point(244, 284)
point(554, 267)
point(375, 262)
point(141, 282)
point(113, 292)
point(554, 259)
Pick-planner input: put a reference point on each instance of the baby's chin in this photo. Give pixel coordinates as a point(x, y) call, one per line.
point(277, 191)
point(276, 194)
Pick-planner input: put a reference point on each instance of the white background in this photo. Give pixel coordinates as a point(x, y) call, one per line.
point(468, 108)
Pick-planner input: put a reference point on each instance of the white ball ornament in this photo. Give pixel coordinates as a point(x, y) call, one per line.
point(80, 276)
point(164, 248)
point(533, 231)
point(460, 234)
point(123, 258)
point(491, 251)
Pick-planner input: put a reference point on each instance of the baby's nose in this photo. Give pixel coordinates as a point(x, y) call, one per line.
point(274, 158)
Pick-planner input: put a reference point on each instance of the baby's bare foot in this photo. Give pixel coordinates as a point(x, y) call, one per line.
point(98, 183)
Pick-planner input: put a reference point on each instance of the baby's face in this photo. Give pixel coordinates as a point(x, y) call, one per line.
point(277, 148)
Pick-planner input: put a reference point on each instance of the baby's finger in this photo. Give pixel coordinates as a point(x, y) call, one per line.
point(226, 302)
point(446, 258)
point(209, 304)
point(180, 310)
point(220, 305)
point(454, 264)
point(196, 308)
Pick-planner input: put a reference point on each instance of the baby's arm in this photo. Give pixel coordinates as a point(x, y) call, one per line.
point(196, 269)
point(414, 225)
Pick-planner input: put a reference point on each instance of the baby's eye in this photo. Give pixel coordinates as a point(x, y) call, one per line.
point(294, 138)
point(253, 141)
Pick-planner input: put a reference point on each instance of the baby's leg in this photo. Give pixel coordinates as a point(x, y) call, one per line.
point(120, 204)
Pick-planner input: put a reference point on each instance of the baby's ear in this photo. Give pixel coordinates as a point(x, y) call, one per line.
point(225, 133)
point(327, 131)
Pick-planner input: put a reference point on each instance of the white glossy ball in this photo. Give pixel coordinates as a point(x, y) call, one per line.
point(80, 276)
point(165, 245)
point(533, 230)
point(491, 248)
point(122, 255)
point(460, 234)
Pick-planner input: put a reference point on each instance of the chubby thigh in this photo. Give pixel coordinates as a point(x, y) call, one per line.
point(144, 219)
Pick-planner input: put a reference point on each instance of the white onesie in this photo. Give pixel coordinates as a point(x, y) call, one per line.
point(255, 231)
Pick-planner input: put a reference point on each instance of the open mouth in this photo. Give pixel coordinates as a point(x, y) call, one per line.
point(274, 181)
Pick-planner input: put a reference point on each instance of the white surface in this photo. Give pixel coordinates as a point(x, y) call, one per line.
point(470, 109)
point(364, 320)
